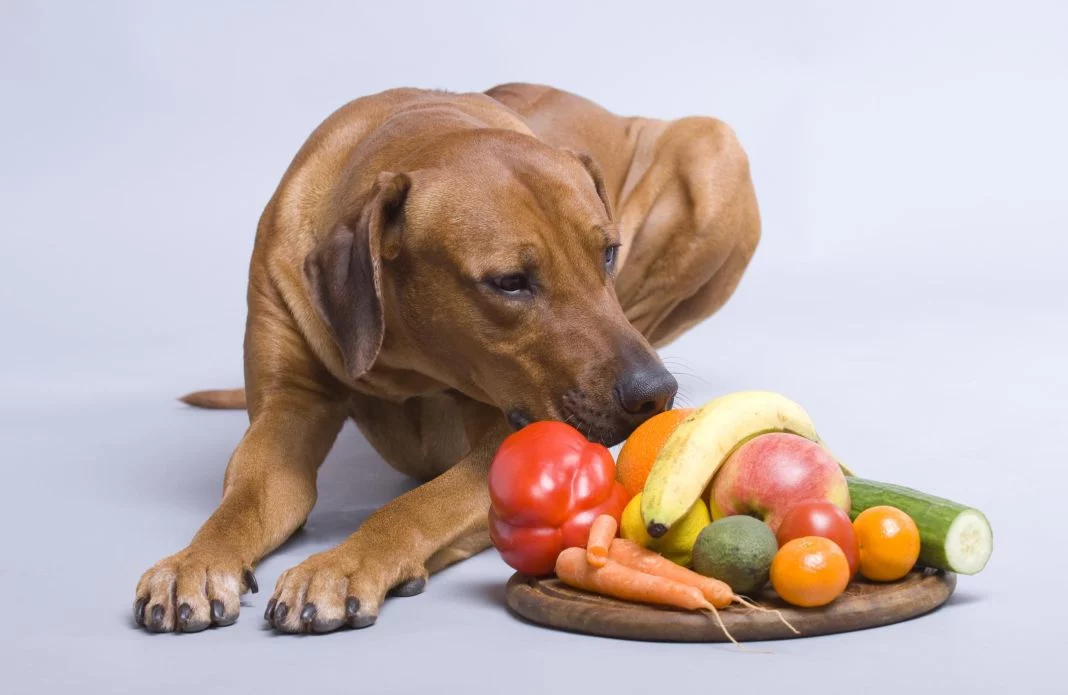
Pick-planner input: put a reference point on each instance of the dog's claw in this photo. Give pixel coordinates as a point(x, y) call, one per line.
point(307, 615)
point(280, 613)
point(217, 610)
point(251, 583)
point(268, 614)
point(157, 616)
point(352, 616)
point(409, 587)
point(139, 611)
point(184, 611)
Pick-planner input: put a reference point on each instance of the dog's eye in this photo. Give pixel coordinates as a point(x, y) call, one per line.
point(610, 254)
point(512, 284)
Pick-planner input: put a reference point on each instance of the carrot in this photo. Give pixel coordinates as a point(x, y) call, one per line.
point(619, 581)
point(718, 593)
point(602, 531)
point(632, 555)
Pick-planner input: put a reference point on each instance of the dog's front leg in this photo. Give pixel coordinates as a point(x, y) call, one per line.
point(390, 551)
point(269, 491)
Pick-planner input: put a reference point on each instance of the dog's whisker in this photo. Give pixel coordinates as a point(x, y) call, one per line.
point(683, 398)
point(689, 375)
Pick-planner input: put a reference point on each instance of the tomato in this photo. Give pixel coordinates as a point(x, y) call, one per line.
point(889, 543)
point(824, 519)
point(810, 571)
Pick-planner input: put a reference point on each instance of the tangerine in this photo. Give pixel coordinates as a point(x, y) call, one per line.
point(810, 571)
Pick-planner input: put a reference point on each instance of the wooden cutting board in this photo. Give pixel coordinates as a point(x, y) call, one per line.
point(547, 601)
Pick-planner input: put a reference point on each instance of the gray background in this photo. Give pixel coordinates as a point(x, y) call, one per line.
point(909, 291)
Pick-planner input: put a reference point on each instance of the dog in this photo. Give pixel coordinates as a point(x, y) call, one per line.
point(444, 269)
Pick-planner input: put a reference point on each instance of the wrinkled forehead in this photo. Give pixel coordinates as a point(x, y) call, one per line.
point(498, 213)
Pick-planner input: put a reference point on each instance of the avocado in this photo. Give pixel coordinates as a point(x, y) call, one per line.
point(737, 550)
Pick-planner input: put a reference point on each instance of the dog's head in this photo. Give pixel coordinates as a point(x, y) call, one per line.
point(488, 264)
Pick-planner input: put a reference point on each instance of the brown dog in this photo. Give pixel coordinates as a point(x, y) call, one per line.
point(444, 268)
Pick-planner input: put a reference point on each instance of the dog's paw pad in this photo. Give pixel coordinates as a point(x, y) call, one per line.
point(409, 587)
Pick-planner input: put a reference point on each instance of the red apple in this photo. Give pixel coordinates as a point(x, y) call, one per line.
point(770, 474)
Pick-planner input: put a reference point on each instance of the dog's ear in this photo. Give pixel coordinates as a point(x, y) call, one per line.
point(343, 278)
point(597, 175)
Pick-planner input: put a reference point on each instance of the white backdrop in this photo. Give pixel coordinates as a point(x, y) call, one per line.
point(909, 290)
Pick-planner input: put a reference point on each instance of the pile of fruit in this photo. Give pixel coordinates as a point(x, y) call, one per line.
point(715, 505)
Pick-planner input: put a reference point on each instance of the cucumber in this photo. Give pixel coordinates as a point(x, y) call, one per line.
point(952, 536)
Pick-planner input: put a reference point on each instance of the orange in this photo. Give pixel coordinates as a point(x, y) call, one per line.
point(638, 453)
point(810, 571)
point(889, 543)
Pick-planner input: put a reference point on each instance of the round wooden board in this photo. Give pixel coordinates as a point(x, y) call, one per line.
point(549, 602)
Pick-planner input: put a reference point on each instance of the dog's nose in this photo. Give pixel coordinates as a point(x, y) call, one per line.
point(646, 391)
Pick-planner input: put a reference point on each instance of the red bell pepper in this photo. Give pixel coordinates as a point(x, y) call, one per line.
point(547, 484)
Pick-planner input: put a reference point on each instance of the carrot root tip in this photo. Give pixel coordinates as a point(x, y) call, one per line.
point(752, 605)
point(723, 627)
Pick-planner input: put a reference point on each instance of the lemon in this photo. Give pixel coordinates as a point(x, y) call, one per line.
point(677, 544)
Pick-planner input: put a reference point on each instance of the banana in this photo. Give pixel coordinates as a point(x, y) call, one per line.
point(703, 441)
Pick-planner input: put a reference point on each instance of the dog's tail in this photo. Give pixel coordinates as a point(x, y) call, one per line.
point(220, 399)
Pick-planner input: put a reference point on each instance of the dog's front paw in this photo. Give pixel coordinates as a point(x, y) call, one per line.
point(340, 587)
point(192, 590)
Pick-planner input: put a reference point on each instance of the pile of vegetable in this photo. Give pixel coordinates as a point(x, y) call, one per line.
point(715, 506)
